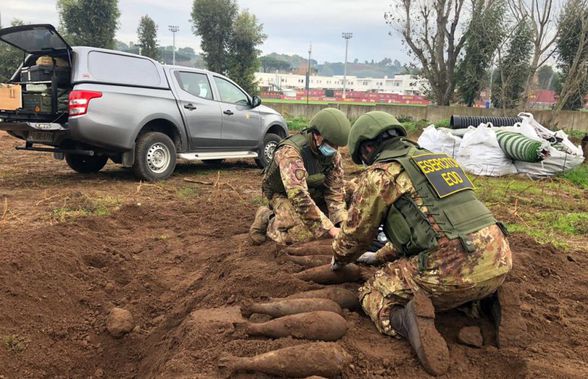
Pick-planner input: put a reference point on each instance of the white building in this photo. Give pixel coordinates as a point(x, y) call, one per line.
point(399, 84)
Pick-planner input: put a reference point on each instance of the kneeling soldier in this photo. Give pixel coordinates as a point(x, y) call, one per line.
point(303, 182)
point(449, 248)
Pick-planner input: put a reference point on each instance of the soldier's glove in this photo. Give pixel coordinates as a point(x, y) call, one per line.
point(368, 258)
point(336, 266)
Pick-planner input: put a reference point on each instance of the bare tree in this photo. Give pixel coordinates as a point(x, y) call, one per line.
point(573, 54)
point(434, 32)
point(513, 67)
point(542, 18)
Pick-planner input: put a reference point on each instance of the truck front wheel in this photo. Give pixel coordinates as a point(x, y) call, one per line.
point(270, 142)
point(85, 164)
point(155, 156)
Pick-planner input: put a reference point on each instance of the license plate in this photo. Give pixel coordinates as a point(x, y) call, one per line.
point(42, 125)
point(41, 137)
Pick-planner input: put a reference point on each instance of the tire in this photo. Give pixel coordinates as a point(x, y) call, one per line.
point(213, 162)
point(270, 141)
point(155, 157)
point(85, 164)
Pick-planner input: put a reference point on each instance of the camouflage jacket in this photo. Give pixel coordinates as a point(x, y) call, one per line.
point(378, 188)
point(294, 174)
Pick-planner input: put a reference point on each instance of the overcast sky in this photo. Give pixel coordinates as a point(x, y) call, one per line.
point(291, 25)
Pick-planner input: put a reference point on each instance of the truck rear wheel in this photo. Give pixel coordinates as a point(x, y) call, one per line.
point(270, 142)
point(155, 156)
point(85, 164)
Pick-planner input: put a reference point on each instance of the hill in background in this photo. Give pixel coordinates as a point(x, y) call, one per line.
point(298, 64)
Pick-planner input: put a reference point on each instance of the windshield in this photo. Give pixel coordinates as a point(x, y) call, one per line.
point(34, 38)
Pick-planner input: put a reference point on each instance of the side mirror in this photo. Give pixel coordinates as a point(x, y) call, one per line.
point(255, 102)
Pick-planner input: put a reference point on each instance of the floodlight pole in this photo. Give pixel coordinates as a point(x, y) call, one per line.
point(174, 29)
point(347, 37)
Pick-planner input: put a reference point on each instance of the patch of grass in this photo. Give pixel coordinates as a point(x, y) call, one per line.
point(539, 235)
point(187, 192)
point(550, 211)
point(415, 127)
point(296, 123)
point(552, 226)
point(571, 223)
point(506, 188)
point(81, 205)
point(576, 135)
point(442, 123)
point(14, 343)
point(578, 176)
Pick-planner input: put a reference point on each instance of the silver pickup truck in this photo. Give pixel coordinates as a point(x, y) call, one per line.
point(87, 105)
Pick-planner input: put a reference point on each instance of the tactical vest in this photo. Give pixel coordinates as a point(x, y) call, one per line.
point(317, 166)
point(447, 194)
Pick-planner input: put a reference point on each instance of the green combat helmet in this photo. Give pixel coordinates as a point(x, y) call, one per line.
point(367, 127)
point(332, 124)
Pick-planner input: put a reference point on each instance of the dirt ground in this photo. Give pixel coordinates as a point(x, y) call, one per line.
point(176, 255)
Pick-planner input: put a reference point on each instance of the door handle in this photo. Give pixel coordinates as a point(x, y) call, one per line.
point(189, 107)
point(228, 112)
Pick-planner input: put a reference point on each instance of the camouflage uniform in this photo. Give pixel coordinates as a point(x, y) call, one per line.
point(299, 215)
point(449, 275)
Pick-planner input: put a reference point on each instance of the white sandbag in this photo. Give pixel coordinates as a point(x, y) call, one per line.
point(564, 144)
point(439, 141)
point(461, 132)
point(532, 129)
point(564, 154)
point(558, 162)
point(480, 154)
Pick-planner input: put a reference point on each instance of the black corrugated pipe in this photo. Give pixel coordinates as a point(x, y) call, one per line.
point(461, 122)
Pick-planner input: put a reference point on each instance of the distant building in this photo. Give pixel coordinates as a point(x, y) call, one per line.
point(542, 99)
point(399, 84)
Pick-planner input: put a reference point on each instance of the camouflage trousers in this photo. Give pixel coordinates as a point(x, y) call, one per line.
point(286, 227)
point(450, 276)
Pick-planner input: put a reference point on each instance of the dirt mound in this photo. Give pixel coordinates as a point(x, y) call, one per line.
point(182, 271)
point(181, 264)
point(199, 340)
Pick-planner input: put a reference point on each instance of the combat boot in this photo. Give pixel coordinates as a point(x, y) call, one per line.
point(504, 307)
point(257, 231)
point(416, 323)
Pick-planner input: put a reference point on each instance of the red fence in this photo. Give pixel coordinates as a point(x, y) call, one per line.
point(351, 96)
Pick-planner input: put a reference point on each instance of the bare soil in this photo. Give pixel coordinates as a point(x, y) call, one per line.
point(176, 255)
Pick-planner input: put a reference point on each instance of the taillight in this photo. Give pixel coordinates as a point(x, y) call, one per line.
point(79, 101)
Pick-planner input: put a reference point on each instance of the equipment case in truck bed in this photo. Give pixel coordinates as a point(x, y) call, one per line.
point(44, 73)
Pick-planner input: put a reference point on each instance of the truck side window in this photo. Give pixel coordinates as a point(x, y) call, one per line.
point(194, 83)
point(229, 93)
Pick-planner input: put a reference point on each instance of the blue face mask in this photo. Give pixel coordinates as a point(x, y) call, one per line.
point(326, 150)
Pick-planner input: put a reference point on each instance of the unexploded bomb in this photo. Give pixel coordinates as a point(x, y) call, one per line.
point(289, 306)
point(319, 325)
point(326, 359)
